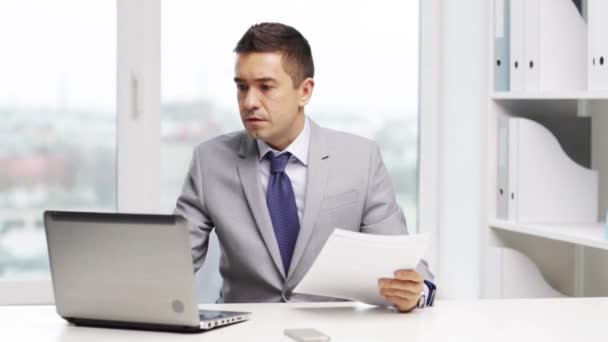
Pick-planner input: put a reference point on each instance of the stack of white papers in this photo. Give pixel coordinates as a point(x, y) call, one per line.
point(350, 264)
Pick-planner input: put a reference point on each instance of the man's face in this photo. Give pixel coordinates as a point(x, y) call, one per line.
point(272, 109)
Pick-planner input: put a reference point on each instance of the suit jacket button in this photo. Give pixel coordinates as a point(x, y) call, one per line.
point(286, 296)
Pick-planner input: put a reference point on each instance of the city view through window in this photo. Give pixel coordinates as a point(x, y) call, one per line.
point(57, 121)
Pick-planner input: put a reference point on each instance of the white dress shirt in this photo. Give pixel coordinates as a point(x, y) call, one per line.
point(297, 166)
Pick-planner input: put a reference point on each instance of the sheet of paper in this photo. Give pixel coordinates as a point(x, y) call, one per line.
point(350, 264)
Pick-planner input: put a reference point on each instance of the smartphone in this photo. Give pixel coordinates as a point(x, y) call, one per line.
point(306, 335)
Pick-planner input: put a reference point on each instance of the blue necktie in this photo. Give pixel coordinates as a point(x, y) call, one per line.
point(282, 207)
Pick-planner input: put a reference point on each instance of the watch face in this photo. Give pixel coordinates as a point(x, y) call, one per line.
point(422, 300)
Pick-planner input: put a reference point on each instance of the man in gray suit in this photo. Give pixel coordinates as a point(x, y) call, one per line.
point(275, 191)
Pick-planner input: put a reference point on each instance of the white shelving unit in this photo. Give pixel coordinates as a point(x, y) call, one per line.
point(570, 258)
point(589, 235)
point(566, 95)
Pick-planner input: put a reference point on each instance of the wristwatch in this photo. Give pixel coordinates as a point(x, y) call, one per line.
point(422, 300)
point(432, 291)
point(427, 299)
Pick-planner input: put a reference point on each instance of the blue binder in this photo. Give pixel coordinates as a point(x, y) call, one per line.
point(501, 45)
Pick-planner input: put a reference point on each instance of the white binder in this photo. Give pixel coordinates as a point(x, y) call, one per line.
point(501, 45)
point(532, 45)
point(516, 45)
point(597, 60)
point(558, 40)
point(502, 179)
point(545, 185)
point(516, 276)
point(513, 170)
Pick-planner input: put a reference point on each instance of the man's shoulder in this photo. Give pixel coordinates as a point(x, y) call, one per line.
point(339, 139)
point(222, 144)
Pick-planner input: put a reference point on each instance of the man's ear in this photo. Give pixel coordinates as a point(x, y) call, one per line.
point(305, 91)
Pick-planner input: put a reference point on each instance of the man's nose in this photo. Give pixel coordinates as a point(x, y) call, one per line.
point(251, 100)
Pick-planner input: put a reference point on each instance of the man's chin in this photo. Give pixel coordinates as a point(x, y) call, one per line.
point(256, 134)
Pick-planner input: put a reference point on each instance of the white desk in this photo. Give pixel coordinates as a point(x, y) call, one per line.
point(571, 319)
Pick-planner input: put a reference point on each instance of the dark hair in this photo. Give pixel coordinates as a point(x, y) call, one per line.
point(276, 37)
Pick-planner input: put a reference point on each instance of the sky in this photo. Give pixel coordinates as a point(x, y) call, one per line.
point(58, 53)
point(61, 53)
point(365, 52)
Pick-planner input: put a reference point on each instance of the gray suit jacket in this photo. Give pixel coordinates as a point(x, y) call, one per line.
point(347, 187)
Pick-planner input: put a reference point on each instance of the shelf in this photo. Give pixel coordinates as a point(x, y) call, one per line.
point(590, 235)
point(562, 95)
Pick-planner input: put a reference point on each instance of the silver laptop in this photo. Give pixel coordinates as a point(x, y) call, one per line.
point(129, 271)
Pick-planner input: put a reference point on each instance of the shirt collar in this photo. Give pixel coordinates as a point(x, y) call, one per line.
point(298, 148)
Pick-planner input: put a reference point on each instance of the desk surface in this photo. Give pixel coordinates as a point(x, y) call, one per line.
point(570, 319)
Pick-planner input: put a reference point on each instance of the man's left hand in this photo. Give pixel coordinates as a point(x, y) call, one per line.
point(403, 290)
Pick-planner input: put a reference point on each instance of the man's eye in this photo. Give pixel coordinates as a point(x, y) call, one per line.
point(266, 87)
point(241, 87)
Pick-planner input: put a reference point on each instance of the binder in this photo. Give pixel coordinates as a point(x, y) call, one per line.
point(532, 45)
point(516, 45)
point(502, 179)
point(501, 45)
point(521, 277)
point(555, 36)
point(512, 170)
point(597, 61)
point(545, 185)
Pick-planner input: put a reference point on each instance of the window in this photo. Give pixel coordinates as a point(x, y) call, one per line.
point(58, 118)
point(58, 103)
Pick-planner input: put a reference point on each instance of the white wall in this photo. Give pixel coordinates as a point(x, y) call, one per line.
point(462, 135)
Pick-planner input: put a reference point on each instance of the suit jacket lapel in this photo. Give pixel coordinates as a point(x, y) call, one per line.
point(248, 169)
point(315, 189)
